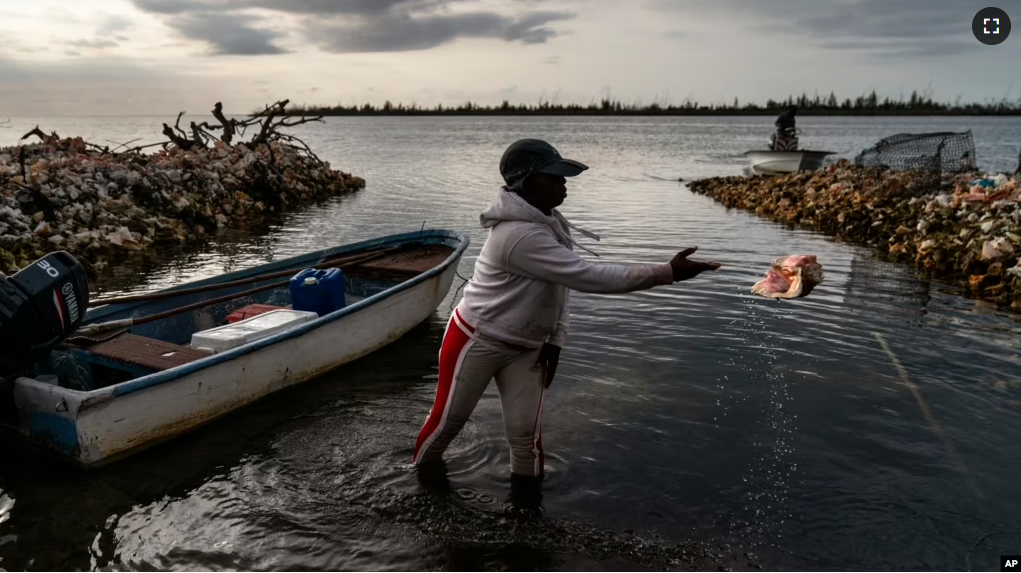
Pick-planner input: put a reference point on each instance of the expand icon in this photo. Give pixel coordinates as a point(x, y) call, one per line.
point(991, 26)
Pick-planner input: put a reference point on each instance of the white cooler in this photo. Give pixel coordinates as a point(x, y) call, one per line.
point(228, 336)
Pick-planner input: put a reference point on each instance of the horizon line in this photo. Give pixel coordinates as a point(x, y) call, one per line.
point(868, 103)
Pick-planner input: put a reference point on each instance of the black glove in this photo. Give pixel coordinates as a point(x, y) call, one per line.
point(549, 358)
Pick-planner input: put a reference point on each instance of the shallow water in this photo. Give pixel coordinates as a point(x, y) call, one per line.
point(691, 413)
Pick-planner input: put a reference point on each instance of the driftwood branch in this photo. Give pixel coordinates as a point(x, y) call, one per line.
point(270, 129)
point(125, 144)
point(303, 119)
point(204, 128)
point(268, 122)
point(38, 132)
point(228, 125)
point(299, 143)
point(196, 135)
point(181, 142)
point(35, 131)
point(271, 109)
point(162, 144)
point(177, 124)
point(265, 120)
point(101, 149)
point(21, 160)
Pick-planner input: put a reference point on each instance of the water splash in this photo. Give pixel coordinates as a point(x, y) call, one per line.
point(768, 475)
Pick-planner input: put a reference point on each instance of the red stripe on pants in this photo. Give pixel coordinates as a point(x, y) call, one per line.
point(540, 457)
point(454, 340)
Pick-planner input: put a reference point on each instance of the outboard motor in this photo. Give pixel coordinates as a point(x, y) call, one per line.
point(40, 306)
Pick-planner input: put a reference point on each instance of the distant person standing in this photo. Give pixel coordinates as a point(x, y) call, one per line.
point(1017, 172)
point(513, 319)
point(784, 138)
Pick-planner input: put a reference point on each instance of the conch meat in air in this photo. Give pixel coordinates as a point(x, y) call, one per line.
point(791, 277)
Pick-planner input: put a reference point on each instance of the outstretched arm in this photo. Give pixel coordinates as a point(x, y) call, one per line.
point(538, 255)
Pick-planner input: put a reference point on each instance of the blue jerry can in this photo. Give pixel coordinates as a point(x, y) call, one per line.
point(318, 290)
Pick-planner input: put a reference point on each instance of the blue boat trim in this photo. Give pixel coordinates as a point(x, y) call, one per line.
point(61, 432)
point(308, 259)
point(165, 376)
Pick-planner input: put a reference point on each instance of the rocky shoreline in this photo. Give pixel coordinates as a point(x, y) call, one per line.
point(67, 194)
point(963, 229)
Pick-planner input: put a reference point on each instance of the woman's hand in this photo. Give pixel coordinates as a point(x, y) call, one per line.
point(549, 358)
point(685, 269)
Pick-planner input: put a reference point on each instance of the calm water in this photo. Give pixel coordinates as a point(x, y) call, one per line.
point(691, 414)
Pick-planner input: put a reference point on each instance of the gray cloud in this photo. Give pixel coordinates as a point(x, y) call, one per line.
point(91, 44)
point(399, 33)
point(30, 49)
point(902, 27)
point(105, 37)
point(229, 34)
point(350, 26)
point(882, 48)
point(317, 7)
point(180, 6)
point(114, 24)
point(350, 7)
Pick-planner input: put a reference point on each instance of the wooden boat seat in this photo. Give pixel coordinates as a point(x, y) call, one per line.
point(402, 264)
point(148, 353)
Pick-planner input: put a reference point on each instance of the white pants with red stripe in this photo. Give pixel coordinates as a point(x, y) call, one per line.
point(468, 361)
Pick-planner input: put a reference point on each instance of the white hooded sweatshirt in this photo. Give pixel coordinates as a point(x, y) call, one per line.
point(519, 291)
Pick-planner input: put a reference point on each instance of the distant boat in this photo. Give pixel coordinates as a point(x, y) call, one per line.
point(101, 397)
point(769, 162)
point(782, 156)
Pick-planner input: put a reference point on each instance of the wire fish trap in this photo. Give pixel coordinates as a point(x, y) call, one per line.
point(927, 155)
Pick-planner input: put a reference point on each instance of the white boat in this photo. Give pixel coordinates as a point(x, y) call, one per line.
point(767, 161)
point(94, 401)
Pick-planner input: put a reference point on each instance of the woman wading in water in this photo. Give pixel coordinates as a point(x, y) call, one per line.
point(512, 322)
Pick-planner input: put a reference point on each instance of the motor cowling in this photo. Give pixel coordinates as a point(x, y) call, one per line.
point(40, 306)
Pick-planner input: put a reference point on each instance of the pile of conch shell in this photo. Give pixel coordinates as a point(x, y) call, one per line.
point(63, 194)
point(962, 228)
point(794, 276)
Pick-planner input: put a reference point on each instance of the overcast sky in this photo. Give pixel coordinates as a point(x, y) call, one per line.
point(81, 57)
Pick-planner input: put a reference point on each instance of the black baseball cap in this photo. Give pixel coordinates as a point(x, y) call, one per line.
point(527, 156)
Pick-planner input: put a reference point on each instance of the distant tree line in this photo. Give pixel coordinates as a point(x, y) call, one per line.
point(866, 104)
